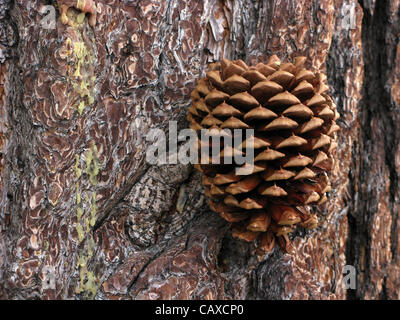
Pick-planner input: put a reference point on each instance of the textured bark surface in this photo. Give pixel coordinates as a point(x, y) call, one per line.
point(84, 216)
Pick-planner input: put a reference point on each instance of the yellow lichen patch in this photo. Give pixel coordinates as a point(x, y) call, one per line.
point(81, 234)
point(93, 210)
point(81, 74)
point(78, 196)
point(92, 165)
point(79, 213)
point(81, 107)
point(91, 168)
point(88, 282)
point(80, 18)
point(78, 171)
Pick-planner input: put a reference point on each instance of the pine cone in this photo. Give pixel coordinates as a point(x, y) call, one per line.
point(294, 125)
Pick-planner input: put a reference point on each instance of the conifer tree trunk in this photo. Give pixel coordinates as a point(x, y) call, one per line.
point(83, 215)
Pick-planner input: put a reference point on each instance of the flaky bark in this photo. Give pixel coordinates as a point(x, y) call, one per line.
point(83, 215)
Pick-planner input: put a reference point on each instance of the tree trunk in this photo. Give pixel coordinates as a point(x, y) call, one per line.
point(83, 215)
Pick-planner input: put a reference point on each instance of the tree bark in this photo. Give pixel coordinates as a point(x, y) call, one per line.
point(83, 215)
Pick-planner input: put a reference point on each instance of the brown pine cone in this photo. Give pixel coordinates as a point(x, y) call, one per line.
point(293, 118)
